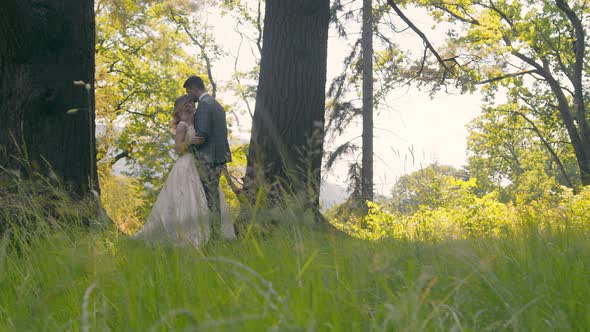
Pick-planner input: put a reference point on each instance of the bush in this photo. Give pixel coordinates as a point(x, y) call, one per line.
point(465, 215)
point(36, 204)
point(122, 199)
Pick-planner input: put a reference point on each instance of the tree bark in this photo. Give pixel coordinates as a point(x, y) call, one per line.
point(46, 45)
point(579, 48)
point(581, 150)
point(367, 46)
point(286, 145)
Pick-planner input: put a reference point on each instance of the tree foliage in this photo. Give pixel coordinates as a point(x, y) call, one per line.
point(534, 49)
point(506, 147)
point(433, 186)
point(141, 64)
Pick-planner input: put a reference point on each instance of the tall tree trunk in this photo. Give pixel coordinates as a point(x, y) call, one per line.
point(581, 149)
point(286, 145)
point(367, 46)
point(579, 48)
point(46, 45)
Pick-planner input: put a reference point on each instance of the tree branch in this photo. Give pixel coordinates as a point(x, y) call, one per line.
point(503, 15)
point(469, 20)
point(427, 43)
point(557, 52)
point(579, 49)
point(202, 47)
point(231, 182)
point(259, 27)
point(509, 75)
point(124, 154)
point(120, 104)
point(548, 146)
point(152, 117)
point(237, 78)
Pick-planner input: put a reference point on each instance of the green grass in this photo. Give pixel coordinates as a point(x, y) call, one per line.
point(295, 279)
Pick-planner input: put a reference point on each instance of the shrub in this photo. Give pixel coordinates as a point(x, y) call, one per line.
point(122, 199)
point(465, 215)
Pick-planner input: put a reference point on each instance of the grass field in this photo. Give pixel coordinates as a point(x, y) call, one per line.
point(296, 279)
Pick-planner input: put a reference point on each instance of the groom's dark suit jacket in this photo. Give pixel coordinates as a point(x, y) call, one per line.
point(210, 123)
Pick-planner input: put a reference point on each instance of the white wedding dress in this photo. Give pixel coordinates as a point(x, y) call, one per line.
point(181, 214)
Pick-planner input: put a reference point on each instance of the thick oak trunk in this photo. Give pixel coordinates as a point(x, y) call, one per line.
point(286, 145)
point(367, 45)
point(46, 45)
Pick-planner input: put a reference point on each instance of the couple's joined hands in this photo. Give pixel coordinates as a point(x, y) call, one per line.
point(197, 140)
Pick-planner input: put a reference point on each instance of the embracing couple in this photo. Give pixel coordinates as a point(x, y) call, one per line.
point(191, 207)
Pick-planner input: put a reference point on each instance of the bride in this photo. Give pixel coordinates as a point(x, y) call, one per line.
point(181, 214)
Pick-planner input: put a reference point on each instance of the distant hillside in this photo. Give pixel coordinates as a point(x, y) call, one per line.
point(332, 194)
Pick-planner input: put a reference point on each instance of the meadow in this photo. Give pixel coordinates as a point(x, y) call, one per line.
point(297, 277)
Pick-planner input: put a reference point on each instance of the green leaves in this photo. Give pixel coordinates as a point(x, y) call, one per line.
point(527, 50)
point(141, 65)
point(512, 146)
point(433, 186)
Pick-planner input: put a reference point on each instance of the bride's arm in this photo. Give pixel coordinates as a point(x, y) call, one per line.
point(179, 141)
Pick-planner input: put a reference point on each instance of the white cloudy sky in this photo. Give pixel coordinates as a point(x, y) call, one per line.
point(433, 129)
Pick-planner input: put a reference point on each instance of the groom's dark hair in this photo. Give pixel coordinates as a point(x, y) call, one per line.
point(195, 81)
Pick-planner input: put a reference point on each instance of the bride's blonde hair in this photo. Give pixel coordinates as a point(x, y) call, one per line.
point(178, 109)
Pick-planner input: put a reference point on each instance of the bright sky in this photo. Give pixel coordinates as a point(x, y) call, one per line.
point(415, 132)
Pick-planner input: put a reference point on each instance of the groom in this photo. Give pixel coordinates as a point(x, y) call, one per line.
point(210, 146)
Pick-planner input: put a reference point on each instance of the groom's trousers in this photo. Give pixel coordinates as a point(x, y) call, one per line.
point(210, 175)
